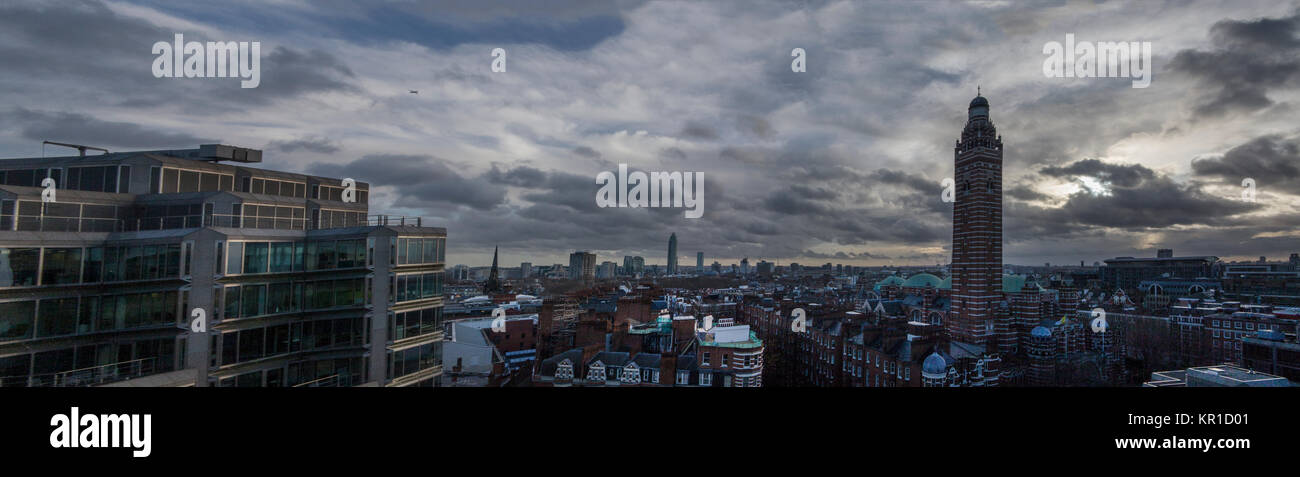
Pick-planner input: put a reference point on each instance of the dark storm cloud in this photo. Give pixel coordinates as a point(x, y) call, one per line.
point(755, 125)
point(1158, 203)
point(1121, 175)
point(318, 144)
point(697, 130)
point(78, 43)
point(579, 26)
point(74, 37)
point(83, 129)
point(672, 153)
point(419, 179)
point(791, 202)
point(586, 152)
point(842, 255)
point(1026, 193)
point(1270, 160)
point(522, 176)
point(1249, 59)
point(287, 73)
point(1137, 198)
point(912, 181)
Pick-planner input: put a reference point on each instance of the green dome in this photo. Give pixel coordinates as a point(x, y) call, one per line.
point(922, 280)
point(946, 284)
point(890, 280)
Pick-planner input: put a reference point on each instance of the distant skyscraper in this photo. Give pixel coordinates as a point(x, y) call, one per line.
point(977, 230)
point(672, 254)
point(744, 266)
point(582, 266)
point(526, 269)
point(699, 262)
point(633, 265)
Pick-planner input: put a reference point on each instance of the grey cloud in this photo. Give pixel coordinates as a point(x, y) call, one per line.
point(82, 129)
point(419, 179)
point(1270, 160)
point(586, 152)
point(318, 144)
point(1122, 175)
point(696, 130)
point(842, 255)
point(1249, 59)
point(1027, 193)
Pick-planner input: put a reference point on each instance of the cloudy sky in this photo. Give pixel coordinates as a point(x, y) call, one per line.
point(841, 163)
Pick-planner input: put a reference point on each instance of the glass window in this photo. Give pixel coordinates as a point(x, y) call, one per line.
point(19, 266)
point(413, 249)
point(345, 254)
point(170, 180)
point(189, 181)
point(133, 263)
point(282, 256)
point(255, 257)
point(16, 319)
point(250, 344)
point(280, 298)
point(234, 265)
point(62, 266)
point(253, 300)
point(232, 302)
point(326, 257)
point(123, 180)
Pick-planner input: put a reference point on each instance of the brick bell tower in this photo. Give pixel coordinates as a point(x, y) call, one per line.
point(977, 232)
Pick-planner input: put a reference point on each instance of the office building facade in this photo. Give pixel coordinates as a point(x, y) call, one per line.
point(296, 283)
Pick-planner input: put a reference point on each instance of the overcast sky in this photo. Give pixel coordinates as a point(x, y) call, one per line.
point(841, 163)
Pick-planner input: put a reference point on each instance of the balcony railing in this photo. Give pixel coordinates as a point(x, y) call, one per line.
point(394, 220)
point(92, 376)
point(331, 381)
point(248, 222)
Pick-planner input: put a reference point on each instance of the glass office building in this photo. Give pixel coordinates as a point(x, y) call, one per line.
point(300, 285)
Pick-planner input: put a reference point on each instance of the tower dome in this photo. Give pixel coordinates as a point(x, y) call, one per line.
point(934, 365)
point(979, 107)
point(922, 280)
point(1041, 332)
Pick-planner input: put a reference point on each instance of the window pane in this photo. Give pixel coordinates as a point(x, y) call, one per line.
point(16, 319)
point(282, 257)
point(255, 257)
point(236, 258)
point(62, 266)
point(18, 266)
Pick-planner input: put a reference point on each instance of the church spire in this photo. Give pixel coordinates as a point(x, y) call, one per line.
point(493, 284)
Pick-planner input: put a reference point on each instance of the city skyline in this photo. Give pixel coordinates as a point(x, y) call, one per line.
point(1099, 168)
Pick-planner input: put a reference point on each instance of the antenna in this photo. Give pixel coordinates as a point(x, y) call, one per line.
point(80, 148)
